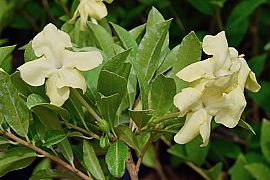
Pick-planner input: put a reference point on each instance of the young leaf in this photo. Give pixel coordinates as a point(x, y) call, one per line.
point(29, 54)
point(140, 117)
point(12, 107)
point(215, 172)
point(91, 161)
point(137, 32)
point(5, 53)
point(245, 125)
point(15, 158)
point(53, 137)
point(162, 93)
point(154, 17)
point(42, 165)
point(265, 141)
point(116, 157)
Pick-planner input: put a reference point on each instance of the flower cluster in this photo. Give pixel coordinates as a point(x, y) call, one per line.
point(216, 90)
point(95, 9)
point(57, 65)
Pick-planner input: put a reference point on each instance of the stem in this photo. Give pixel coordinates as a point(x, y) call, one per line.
point(86, 105)
point(198, 170)
point(131, 167)
point(144, 149)
point(88, 132)
point(46, 154)
point(219, 19)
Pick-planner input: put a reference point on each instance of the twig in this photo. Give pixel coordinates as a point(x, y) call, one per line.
point(46, 154)
point(88, 132)
point(219, 19)
point(158, 164)
point(131, 167)
point(198, 170)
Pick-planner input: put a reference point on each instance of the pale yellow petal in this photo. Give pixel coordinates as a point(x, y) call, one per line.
point(192, 126)
point(187, 99)
point(35, 72)
point(251, 83)
point(108, 1)
point(50, 42)
point(205, 130)
point(57, 96)
point(70, 77)
point(231, 108)
point(82, 61)
point(198, 70)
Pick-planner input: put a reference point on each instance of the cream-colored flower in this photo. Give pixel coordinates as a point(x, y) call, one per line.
point(216, 90)
point(56, 65)
point(95, 9)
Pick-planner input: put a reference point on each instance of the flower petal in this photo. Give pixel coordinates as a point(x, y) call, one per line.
point(50, 42)
point(57, 96)
point(82, 61)
point(187, 99)
point(96, 9)
point(192, 126)
point(70, 77)
point(231, 108)
point(198, 70)
point(205, 130)
point(251, 83)
point(35, 72)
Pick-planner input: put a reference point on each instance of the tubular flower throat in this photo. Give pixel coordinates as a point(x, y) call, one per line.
point(95, 9)
point(56, 65)
point(216, 90)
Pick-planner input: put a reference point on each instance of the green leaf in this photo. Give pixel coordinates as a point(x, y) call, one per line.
point(53, 173)
point(247, 126)
point(178, 150)
point(15, 158)
point(103, 38)
point(137, 32)
point(12, 107)
point(125, 134)
point(239, 18)
point(162, 93)
point(43, 164)
point(195, 153)
point(154, 17)
point(51, 121)
point(238, 171)
point(91, 161)
point(226, 148)
point(53, 137)
point(257, 64)
point(4, 141)
point(148, 56)
point(116, 157)
point(215, 172)
point(36, 100)
point(189, 52)
point(140, 117)
point(203, 6)
point(265, 140)
point(29, 54)
point(258, 170)
point(5, 52)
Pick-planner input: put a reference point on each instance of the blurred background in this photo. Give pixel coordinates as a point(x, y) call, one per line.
point(233, 153)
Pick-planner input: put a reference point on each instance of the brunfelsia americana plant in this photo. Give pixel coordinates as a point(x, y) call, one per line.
point(107, 95)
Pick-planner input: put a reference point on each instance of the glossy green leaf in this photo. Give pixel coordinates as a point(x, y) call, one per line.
point(162, 93)
point(103, 38)
point(12, 107)
point(5, 53)
point(53, 173)
point(154, 17)
point(125, 134)
point(116, 157)
point(190, 52)
point(91, 161)
point(238, 171)
point(51, 121)
point(29, 54)
point(53, 137)
point(265, 140)
point(258, 170)
point(247, 126)
point(215, 172)
point(137, 32)
point(42, 165)
point(148, 56)
point(36, 100)
point(15, 158)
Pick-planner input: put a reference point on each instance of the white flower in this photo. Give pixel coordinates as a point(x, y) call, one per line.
point(216, 90)
point(57, 65)
point(95, 9)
